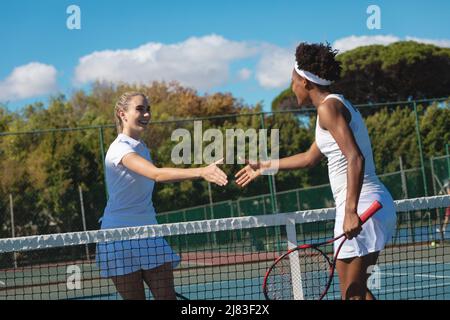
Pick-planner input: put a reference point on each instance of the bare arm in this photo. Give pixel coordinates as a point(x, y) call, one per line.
point(332, 119)
point(145, 168)
point(306, 159)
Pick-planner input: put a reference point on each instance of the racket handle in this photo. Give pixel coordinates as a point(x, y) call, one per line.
point(374, 207)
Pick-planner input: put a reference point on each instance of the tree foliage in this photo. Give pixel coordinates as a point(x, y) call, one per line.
point(44, 170)
point(395, 72)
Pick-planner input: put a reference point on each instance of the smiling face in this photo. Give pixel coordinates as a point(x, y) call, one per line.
point(136, 116)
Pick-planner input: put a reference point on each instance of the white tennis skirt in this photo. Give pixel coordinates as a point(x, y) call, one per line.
point(376, 232)
point(117, 258)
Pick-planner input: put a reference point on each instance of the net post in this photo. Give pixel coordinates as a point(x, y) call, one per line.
point(297, 288)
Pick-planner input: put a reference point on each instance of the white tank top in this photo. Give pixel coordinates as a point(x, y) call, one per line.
point(337, 163)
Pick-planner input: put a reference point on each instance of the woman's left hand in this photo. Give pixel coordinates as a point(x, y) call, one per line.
point(352, 224)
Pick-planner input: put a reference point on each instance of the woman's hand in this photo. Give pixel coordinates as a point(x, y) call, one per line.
point(213, 174)
point(352, 224)
point(250, 172)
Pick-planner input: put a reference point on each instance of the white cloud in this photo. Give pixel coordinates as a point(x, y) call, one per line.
point(199, 62)
point(352, 42)
point(275, 67)
point(244, 74)
point(445, 43)
point(28, 81)
point(202, 62)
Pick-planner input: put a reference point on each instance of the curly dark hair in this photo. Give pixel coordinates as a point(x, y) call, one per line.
point(319, 59)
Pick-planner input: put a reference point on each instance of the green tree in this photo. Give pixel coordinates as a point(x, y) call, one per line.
point(395, 72)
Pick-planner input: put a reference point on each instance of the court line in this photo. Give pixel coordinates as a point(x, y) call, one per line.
point(415, 275)
point(416, 288)
point(405, 289)
point(415, 261)
point(428, 262)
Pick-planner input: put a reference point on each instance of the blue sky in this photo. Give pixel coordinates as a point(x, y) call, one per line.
point(242, 47)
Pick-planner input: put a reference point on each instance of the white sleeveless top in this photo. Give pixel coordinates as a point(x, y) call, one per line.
point(337, 163)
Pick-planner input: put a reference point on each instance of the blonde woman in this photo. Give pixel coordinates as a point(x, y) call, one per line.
point(130, 177)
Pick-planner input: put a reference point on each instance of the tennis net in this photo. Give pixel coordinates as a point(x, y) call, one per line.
point(227, 258)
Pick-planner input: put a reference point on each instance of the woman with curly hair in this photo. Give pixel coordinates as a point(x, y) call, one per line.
point(341, 136)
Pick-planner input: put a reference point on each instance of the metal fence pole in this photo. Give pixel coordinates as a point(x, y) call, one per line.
point(433, 176)
point(448, 159)
point(212, 211)
point(419, 141)
point(403, 177)
point(13, 232)
point(102, 153)
point(269, 179)
point(297, 193)
point(239, 208)
point(273, 197)
point(83, 218)
point(405, 192)
point(277, 208)
point(438, 216)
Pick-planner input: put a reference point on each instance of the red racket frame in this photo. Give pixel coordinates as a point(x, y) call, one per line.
point(374, 207)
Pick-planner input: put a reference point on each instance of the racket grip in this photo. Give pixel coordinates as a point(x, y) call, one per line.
point(374, 207)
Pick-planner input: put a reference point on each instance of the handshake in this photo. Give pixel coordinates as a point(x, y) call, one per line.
point(212, 173)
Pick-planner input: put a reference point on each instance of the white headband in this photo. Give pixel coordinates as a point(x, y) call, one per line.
point(311, 76)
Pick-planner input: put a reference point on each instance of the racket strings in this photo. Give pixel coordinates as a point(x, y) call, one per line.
point(279, 283)
point(302, 274)
point(315, 273)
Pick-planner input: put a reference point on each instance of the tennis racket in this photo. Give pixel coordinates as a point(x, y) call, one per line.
point(306, 271)
point(180, 296)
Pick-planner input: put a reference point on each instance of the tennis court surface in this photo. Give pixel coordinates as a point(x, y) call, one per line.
point(228, 258)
